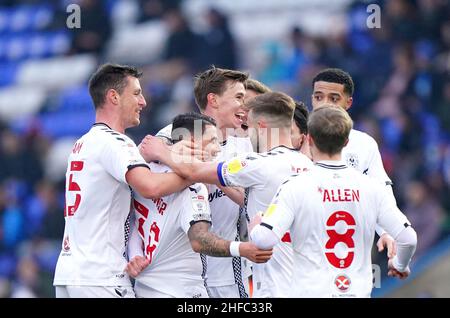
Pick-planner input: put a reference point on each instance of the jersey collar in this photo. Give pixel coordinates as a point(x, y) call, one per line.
point(101, 124)
point(331, 164)
point(283, 146)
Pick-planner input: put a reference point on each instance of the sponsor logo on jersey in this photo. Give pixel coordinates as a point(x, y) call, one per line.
point(215, 195)
point(342, 283)
point(199, 204)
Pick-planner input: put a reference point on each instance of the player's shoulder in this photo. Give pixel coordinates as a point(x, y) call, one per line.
point(197, 189)
point(107, 135)
point(237, 141)
point(165, 132)
point(362, 138)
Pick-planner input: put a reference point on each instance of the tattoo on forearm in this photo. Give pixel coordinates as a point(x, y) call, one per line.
point(210, 243)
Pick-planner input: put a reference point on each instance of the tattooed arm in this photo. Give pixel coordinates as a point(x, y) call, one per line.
point(203, 241)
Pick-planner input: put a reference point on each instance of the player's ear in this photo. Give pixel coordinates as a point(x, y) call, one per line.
point(349, 103)
point(112, 97)
point(211, 100)
point(262, 123)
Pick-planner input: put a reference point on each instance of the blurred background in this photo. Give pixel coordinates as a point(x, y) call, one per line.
point(402, 99)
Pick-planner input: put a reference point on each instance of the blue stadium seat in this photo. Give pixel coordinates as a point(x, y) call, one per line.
point(7, 265)
point(8, 71)
point(75, 99)
point(65, 124)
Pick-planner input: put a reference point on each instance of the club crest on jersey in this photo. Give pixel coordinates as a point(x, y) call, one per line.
point(236, 165)
point(342, 283)
point(352, 160)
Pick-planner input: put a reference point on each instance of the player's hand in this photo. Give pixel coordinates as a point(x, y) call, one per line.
point(187, 151)
point(151, 148)
point(387, 241)
point(250, 251)
point(136, 265)
point(393, 272)
point(255, 221)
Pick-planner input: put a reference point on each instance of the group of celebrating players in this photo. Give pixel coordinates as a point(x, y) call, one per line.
point(252, 196)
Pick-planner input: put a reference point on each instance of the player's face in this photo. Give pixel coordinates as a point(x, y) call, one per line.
point(230, 106)
point(330, 93)
point(210, 142)
point(131, 103)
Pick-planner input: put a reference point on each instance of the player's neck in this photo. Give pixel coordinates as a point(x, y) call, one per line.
point(283, 140)
point(320, 156)
point(111, 119)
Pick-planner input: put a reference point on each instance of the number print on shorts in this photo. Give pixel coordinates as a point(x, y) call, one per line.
point(335, 238)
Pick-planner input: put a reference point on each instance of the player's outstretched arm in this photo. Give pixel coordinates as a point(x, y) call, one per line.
point(155, 185)
point(235, 194)
point(183, 160)
point(208, 243)
point(398, 266)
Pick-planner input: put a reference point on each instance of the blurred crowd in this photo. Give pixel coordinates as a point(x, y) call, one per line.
point(402, 99)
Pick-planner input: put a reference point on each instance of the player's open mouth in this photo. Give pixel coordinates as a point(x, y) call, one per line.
point(241, 117)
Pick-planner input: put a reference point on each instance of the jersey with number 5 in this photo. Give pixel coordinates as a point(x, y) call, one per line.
point(332, 211)
point(97, 206)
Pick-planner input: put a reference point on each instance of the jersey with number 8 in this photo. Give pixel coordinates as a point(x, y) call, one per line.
point(331, 212)
point(97, 207)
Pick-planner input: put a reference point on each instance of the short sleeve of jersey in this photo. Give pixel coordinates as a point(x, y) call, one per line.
point(119, 154)
point(242, 171)
point(165, 132)
point(279, 215)
point(195, 207)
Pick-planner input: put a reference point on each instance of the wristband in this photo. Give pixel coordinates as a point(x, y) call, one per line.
point(234, 248)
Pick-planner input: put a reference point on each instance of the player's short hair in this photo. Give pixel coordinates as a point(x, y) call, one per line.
point(329, 127)
point(110, 76)
point(336, 75)
point(256, 86)
point(188, 122)
point(214, 80)
point(301, 117)
point(276, 107)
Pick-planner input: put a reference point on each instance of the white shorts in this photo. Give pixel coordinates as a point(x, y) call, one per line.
point(94, 292)
point(229, 291)
point(144, 291)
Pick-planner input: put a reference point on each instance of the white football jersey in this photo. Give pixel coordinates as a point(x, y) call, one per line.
point(166, 133)
point(261, 175)
point(362, 153)
point(163, 224)
point(331, 212)
point(225, 220)
point(97, 206)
